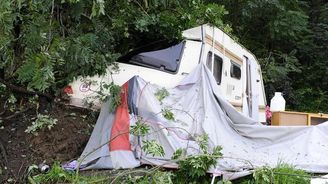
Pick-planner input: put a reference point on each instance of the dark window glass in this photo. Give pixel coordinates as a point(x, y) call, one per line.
point(217, 66)
point(209, 61)
point(166, 59)
point(235, 71)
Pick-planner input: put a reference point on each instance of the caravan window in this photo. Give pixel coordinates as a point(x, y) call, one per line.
point(235, 71)
point(167, 60)
point(217, 66)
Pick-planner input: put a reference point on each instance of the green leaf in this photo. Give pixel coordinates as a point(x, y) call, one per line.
point(153, 148)
point(179, 153)
point(140, 129)
point(161, 94)
point(168, 114)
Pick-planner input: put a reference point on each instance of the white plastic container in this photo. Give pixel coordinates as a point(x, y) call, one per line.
point(277, 103)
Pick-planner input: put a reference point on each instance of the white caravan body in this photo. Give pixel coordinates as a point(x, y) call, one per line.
point(236, 70)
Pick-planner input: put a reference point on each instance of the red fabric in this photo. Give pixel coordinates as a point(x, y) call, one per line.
point(121, 124)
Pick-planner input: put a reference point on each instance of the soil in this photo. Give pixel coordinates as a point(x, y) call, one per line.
point(64, 142)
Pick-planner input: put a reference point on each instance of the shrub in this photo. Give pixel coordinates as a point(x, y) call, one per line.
point(41, 122)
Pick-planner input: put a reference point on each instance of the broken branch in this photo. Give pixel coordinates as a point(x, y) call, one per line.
point(18, 89)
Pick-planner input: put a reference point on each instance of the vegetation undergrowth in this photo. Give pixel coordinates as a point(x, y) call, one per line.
point(282, 174)
point(41, 122)
point(192, 168)
point(58, 175)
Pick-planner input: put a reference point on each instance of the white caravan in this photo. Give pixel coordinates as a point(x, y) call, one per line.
point(236, 70)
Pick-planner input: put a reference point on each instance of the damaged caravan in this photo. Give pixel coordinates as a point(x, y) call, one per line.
point(235, 69)
point(208, 78)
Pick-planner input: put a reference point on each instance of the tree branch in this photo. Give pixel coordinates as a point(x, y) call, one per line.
point(18, 89)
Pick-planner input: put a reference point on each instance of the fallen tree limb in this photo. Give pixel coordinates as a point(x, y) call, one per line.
point(18, 89)
point(15, 114)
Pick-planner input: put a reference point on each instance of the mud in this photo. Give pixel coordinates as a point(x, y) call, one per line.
point(64, 142)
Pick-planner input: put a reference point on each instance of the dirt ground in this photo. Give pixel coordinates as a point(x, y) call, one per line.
point(64, 142)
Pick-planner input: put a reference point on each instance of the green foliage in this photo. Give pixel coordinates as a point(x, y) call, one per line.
point(193, 168)
point(11, 102)
point(203, 142)
point(110, 92)
point(153, 148)
point(46, 44)
point(278, 66)
point(98, 8)
point(263, 175)
point(161, 94)
point(168, 114)
point(224, 182)
point(311, 100)
point(157, 177)
point(7, 18)
point(37, 72)
point(149, 146)
point(285, 173)
point(179, 153)
point(2, 89)
point(12, 99)
point(34, 101)
point(58, 175)
point(290, 25)
point(140, 128)
point(55, 175)
point(161, 177)
point(282, 174)
point(105, 93)
point(115, 97)
point(41, 122)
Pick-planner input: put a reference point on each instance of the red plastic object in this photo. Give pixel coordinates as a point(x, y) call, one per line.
point(68, 90)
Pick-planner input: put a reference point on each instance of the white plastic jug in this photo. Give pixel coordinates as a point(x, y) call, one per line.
point(277, 103)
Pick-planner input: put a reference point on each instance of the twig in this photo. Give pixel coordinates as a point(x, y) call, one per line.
point(136, 2)
point(124, 173)
point(86, 155)
point(1, 113)
point(241, 159)
point(19, 178)
point(4, 107)
point(15, 114)
point(50, 24)
point(3, 152)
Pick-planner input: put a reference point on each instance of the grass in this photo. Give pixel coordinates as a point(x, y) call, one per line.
point(282, 174)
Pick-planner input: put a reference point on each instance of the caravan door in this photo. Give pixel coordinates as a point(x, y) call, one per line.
point(251, 97)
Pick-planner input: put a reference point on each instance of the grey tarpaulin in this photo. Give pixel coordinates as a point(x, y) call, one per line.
point(199, 108)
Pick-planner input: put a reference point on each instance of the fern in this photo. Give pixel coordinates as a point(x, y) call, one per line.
point(37, 72)
point(26, 71)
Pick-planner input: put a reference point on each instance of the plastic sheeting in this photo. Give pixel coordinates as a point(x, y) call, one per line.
point(199, 108)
